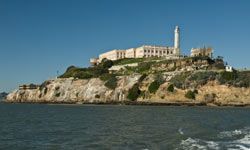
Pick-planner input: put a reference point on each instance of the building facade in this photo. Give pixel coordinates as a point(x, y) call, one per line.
point(206, 51)
point(113, 55)
point(144, 51)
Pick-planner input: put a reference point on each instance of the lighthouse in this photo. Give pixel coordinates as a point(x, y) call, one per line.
point(177, 41)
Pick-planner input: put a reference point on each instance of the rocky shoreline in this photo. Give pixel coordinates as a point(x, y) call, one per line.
point(140, 103)
point(135, 90)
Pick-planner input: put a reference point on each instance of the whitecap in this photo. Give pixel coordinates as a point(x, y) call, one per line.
point(181, 131)
point(232, 140)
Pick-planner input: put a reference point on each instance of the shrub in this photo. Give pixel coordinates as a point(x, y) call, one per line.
point(195, 91)
point(83, 75)
point(57, 94)
point(142, 77)
point(153, 87)
point(170, 88)
point(143, 67)
point(44, 84)
point(243, 79)
point(134, 92)
point(111, 83)
point(190, 94)
point(106, 63)
point(97, 96)
point(200, 78)
point(106, 76)
point(86, 73)
point(179, 80)
point(209, 98)
point(128, 61)
point(227, 77)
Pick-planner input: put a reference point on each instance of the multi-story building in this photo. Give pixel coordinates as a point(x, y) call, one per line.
point(144, 51)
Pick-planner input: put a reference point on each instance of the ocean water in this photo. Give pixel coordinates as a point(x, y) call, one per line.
point(34, 126)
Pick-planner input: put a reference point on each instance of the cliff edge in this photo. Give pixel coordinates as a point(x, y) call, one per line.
point(190, 81)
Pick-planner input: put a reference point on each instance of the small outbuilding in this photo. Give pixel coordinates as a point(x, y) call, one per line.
point(229, 68)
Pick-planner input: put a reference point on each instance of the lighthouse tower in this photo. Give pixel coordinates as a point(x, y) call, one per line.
point(177, 41)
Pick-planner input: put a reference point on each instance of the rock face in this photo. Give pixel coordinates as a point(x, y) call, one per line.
point(71, 90)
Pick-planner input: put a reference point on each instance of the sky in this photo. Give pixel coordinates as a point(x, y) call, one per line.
point(40, 37)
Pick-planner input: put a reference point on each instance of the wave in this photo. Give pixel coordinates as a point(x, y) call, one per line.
point(232, 140)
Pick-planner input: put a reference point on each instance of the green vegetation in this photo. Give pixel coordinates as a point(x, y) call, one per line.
point(170, 88)
point(135, 60)
point(86, 73)
point(144, 67)
point(147, 66)
point(243, 79)
point(228, 76)
point(154, 86)
point(235, 78)
point(200, 78)
point(190, 94)
point(179, 80)
point(111, 83)
point(106, 76)
point(134, 92)
point(58, 94)
point(142, 77)
point(128, 61)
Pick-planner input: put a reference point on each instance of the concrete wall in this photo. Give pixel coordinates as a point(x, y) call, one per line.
point(113, 55)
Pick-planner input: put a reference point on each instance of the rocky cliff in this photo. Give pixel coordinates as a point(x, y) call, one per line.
point(71, 90)
point(94, 90)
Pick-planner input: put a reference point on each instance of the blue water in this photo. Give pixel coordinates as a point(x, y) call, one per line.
point(34, 126)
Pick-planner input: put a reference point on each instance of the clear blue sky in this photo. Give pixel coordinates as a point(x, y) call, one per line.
point(39, 37)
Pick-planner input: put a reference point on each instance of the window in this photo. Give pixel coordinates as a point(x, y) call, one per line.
point(148, 51)
point(152, 51)
point(156, 51)
point(145, 51)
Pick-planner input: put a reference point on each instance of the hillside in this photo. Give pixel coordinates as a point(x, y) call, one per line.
point(191, 81)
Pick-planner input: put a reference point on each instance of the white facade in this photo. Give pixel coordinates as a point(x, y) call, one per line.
point(229, 68)
point(153, 51)
point(146, 51)
point(113, 55)
point(202, 52)
point(130, 53)
point(177, 41)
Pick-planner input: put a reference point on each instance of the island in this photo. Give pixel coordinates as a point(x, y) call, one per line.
point(146, 75)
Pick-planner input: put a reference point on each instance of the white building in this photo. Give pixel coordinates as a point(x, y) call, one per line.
point(229, 68)
point(145, 51)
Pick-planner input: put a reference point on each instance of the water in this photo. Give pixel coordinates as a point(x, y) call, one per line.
point(34, 126)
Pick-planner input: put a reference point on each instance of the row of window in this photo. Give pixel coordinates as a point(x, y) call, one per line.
point(152, 55)
point(164, 52)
